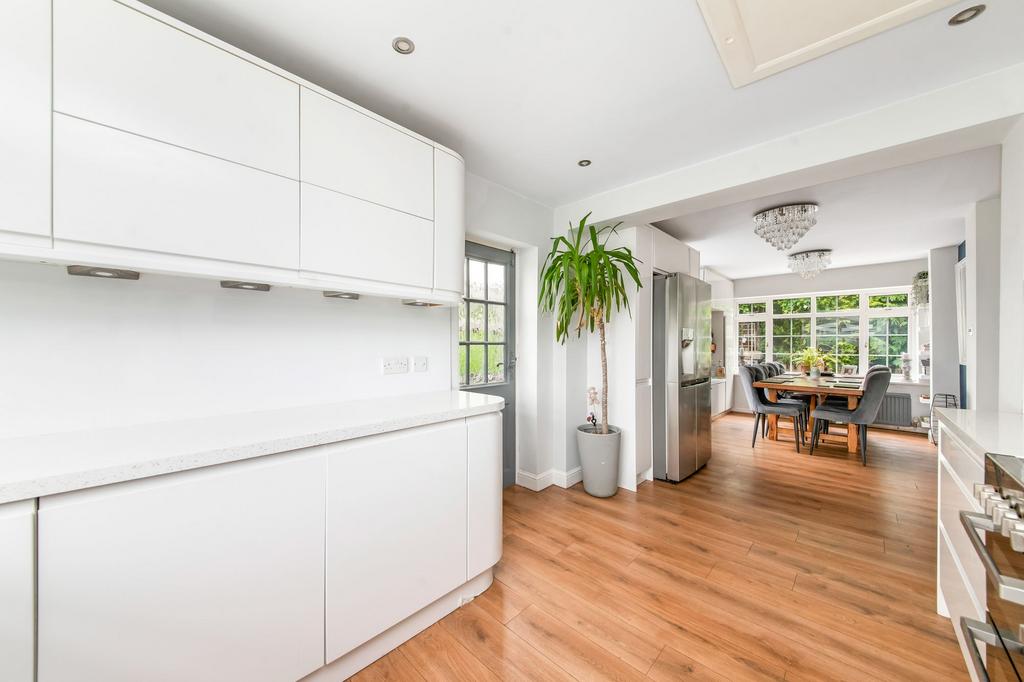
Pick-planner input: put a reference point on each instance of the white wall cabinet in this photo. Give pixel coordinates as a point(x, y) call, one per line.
point(484, 485)
point(17, 591)
point(345, 150)
point(117, 189)
point(396, 529)
point(449, 221)
point(213, 574)
point(345, 236)
point(119, 67)
point(25, 122)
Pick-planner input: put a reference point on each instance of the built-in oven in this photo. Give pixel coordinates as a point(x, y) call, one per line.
point(997, 535)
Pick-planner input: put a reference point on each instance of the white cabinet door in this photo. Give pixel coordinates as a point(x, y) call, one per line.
point(449, 221)
point(117, 66)
point(25, 121)
point(117, 189)
point(352, 153)
point(396, 529)
point(355, 238)
point(17, 591)
point(214, 574)
point(484, 507)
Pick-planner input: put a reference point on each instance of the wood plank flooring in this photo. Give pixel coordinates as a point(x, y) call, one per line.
point(767, 565)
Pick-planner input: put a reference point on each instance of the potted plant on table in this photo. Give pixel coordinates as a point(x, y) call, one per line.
point(583, 283)
point(812, 361)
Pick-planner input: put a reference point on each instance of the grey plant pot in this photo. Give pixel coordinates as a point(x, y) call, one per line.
point(599, 459)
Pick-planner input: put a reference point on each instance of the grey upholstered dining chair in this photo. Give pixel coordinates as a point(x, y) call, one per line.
point(876, 383)
point(762, 407)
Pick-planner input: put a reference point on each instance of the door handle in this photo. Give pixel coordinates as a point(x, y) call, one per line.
point(1010, 589)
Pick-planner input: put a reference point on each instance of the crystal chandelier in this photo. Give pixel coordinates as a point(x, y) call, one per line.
point(783, 226)
point(809, 264)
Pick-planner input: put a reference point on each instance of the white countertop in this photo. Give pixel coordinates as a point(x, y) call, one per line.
point(34, 466)
point(986, 431)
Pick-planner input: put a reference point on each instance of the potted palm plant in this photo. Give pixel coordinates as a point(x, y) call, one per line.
point(583, 283)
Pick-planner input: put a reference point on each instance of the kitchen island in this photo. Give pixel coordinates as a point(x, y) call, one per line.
point(267, 545)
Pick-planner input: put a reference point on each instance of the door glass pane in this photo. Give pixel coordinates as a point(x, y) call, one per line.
point(495, 282)
point(462, 321)
point(495, 322)
point(462, 364)
point(476, 364)
point(476, 321)
point(495, 363)
point(476, 279)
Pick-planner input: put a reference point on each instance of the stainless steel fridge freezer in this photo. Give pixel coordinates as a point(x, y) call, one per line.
point(681, 375)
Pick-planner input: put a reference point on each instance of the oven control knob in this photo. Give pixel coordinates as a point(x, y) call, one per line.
point(1017, 540)
point(999, 512)
point(1010, 525)
point(993, 503)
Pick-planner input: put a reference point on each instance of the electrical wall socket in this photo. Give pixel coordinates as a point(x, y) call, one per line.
point(395, 365)
point(420, 363)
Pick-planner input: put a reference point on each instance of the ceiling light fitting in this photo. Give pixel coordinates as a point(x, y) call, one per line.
point(963, 16)
point(418, 303)
point(248, 286)
point(107, 273)
point(810, 264)
point(583, 163)
point(784, 226)
point(347, 295)
point(403, 45)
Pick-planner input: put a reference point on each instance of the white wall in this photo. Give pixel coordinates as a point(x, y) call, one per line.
point(983, 241)
point(1011, 273)
point(80, 352)
point(900, 274)
point(500, 217)
point(945, 361)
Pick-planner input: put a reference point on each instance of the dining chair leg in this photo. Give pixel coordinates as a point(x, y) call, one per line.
point(796, 434)
point(864, 444)
point(757, 423)
point(814, 434)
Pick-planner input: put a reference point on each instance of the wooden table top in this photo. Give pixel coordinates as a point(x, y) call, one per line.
point(799, 383)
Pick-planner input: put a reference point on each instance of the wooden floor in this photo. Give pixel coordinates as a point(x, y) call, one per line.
point(767, 565)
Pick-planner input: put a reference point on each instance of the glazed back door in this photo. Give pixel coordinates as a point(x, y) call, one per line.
point(487, 351)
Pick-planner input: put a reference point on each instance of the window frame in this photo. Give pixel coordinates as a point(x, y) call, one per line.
point(864, 313)
point(482, 254)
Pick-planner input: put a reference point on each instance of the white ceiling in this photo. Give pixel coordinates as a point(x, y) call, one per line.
point(892, 215)
point(525, 89)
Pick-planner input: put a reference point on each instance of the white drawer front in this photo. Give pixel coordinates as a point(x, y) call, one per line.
point(951, 502)
point(119, 67)
point(352, 153)
point(957, 595)
point(969, 468)
point(118, 189)
point(354, 238)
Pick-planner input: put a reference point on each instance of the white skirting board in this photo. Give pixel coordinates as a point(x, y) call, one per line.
point(387, 641)
point(537, 482)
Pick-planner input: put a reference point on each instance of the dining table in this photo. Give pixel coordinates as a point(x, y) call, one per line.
point(819, 388)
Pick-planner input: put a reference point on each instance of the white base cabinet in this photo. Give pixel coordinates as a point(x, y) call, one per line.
point(269, 569)
point(17, 591)
point(396, 529)
point(213, 574)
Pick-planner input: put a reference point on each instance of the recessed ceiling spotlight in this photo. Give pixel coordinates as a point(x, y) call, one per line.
point(248, 286)
point(108, 273)
point(403, 45)
point(730, 40)
point(583, 163)
point(963, 16)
